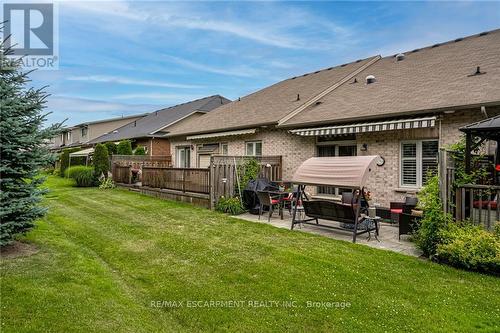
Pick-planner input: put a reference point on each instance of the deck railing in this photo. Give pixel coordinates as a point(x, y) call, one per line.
point(478, 203)
point(180, 179)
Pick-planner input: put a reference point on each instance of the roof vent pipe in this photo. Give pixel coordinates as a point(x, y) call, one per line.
point(298, 97)
point(370, 79)
point(400, 56)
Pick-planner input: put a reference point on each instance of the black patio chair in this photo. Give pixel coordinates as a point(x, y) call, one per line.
point(265, 199)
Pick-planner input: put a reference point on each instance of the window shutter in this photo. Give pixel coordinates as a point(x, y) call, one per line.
point(409, 164)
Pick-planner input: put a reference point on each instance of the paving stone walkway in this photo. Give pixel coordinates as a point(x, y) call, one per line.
point(388, 233)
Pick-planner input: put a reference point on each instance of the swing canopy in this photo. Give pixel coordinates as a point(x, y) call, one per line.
point(349, 171)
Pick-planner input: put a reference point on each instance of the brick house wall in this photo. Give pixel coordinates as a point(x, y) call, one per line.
point(155, 146)
point(384, 181)
point(293, 148)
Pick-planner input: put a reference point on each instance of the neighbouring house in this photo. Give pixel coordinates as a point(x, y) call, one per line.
point(150, 131)
point(403, 107)
point(80, 135)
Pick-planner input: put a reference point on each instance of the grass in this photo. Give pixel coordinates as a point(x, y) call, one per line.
point(105, 256)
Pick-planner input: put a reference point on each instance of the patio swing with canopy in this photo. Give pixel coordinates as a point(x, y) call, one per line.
point(345, 172)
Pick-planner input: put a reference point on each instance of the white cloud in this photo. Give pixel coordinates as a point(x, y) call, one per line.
point(77, 110)
point(243, 71)
point(128, 81)
point(271, 24)
point(170, 98)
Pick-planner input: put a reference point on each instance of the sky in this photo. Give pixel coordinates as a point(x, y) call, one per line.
point(122, 58)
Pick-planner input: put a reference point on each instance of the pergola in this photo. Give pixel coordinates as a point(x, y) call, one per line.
point(488, 129)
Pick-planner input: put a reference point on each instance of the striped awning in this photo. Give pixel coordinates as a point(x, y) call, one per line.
point(391, 125)
point(221, 134)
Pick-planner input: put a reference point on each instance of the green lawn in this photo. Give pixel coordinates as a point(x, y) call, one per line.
point(106, 255)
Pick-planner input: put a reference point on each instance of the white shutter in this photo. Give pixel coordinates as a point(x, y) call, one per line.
point(409, 164)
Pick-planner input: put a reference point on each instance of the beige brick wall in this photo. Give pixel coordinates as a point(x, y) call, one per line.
point(384, 181)
point(293, 148)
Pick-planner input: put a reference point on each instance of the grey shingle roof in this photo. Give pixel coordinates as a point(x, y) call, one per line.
point(157, 120)
point(428, 79)
point(269, 105)
point(432, 78)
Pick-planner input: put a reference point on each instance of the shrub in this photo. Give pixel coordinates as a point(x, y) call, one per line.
point(64, 159)
point(230, 206)
point(111, 148)
point(496, 229)
point(124, 148)
point(248, 171)
point(140, 151)
point(101, 161)
point(428, 235)
point(106, 183)
point(470, 247)
point(83, 175)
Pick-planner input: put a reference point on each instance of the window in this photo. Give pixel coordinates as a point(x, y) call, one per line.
point(84, 132)
point(224, 149)
point(183, 157)
point(68, 137)
point(418, 159)
point(254, 148)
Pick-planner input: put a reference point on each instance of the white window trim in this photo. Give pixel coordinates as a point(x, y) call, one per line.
point(419, 160)
point(224, 144)
point(254, 142)
point(178, 156)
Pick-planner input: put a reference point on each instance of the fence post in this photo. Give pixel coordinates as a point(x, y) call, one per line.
point(443, 179)
point(183, 180)
point(211, 182)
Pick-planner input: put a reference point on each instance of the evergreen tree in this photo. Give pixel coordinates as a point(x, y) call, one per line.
point(24, 149)
point(111, 148)
point(140, 151)
point(101, 160)
point(64, 160)
point(124, 148)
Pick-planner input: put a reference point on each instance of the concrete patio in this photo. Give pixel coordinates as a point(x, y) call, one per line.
point(388, 233)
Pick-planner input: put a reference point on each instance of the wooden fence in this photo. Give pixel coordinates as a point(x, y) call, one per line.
point(138, 161)
point(122, 174)
point(178, 179)
point(224, 177)
point(220, 179)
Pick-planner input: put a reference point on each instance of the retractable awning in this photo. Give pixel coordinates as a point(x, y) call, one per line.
point(221, 134)
point(84, 152)
point(391, 125)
